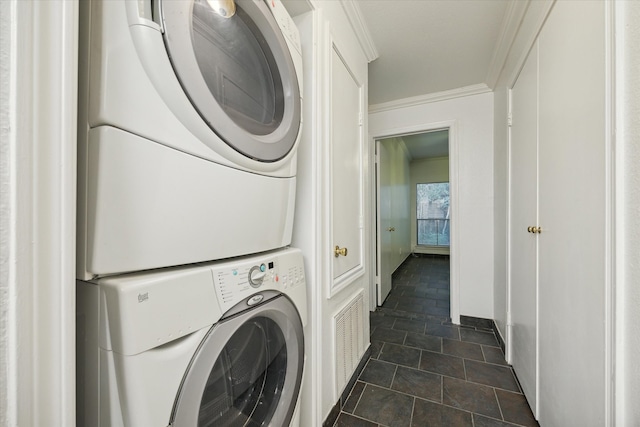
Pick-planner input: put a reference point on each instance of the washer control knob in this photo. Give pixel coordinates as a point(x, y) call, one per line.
point(256, 276)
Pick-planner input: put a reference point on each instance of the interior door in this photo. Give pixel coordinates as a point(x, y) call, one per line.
point(573, 215)
point(523, 205)
point(346, 189)
point(385, 235)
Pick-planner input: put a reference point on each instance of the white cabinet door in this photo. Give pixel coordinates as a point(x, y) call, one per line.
point(572, 212)
point(346, 176)
point(523, 214)
point(385, 227)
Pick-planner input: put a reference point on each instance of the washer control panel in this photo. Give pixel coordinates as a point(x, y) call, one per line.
point(280, 271)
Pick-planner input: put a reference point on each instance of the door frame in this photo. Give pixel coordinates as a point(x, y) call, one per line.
point(454, 262)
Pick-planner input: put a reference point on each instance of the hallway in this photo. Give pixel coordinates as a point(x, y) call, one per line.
point(425, 371)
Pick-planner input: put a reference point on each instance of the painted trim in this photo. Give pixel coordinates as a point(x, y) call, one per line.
point(360, 29)
point(531, 38)
point(452, 125)
point(42, 210)
point(510, 25)
point(429, 98)
point(610, 215)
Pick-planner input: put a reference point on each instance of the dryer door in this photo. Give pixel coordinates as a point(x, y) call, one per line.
point(237, 72)
point(247, 371)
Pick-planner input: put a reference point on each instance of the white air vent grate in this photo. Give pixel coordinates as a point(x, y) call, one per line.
point(349, 336)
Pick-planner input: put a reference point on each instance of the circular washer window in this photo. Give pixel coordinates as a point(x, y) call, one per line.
point(238, 74)
point(247, 371)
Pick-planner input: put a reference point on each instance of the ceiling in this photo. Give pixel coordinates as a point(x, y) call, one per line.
point(429, 144)
point(431, 46)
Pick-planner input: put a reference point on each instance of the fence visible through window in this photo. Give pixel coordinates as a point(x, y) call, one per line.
point(433, 213)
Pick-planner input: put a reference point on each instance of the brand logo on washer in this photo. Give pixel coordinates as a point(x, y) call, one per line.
point(143, 297)
point(256, 299)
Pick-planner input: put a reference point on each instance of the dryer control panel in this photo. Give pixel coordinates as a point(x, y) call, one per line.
point(281, 271)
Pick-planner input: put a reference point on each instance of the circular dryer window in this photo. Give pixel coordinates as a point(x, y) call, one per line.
point(247, 371)
point(238, 73)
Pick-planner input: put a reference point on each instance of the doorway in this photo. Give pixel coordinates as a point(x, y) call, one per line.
point(430, 157)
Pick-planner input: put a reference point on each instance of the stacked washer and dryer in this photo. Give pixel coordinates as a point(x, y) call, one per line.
point(190, 303)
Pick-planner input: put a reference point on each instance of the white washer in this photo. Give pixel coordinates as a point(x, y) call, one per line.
point(188, 130)
point(215, 344)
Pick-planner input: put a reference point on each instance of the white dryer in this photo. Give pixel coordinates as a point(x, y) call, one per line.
point(189, 121)
point(218, 344)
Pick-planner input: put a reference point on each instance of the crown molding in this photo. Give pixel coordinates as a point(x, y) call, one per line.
point(354, 15)
point(429, 98)
point(511, 22)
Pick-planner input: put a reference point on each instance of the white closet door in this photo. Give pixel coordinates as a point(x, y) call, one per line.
point(385, 233)
point(346, 185)
point(572, 213)
point(523, 215)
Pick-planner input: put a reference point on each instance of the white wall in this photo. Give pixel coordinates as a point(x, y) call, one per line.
point(628, 214)
point(425, 171)
point(473, 118)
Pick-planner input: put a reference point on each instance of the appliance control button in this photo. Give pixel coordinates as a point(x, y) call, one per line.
point(256, 276)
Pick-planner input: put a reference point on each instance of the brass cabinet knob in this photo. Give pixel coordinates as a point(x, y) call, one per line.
point(537, 230)
point(391, 229)
point(340, 251)
point(530, 229)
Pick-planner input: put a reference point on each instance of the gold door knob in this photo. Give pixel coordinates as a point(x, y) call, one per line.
point(340, 251)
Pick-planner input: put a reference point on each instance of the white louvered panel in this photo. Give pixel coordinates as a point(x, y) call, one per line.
point(349, 339)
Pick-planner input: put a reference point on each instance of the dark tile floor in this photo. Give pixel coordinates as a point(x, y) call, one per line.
point(424, 371)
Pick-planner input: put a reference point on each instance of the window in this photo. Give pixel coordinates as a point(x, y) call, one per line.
point(432, 202)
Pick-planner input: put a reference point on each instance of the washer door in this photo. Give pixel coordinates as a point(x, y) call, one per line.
point(238, 74)
point(247, 371)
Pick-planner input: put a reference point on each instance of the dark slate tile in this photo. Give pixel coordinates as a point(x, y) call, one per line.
point(429, 414)
point(492, 375)
point(470, 397)
point(515, 408)
point(418, 383)
point(478, 337)
point(385, 406)
point(443, 303)
point(439, 284)
point(482, 421)
point(400, 355)
point(377, 320)
point(466, 350)
point(424, 342)
point(442, 364)
point(388, 335)
point(494, 355)
point(476, 322)
point(443, 331)
point(410, 325)
point(354, 397)
point(378, 373)
point(376, 346)
point(437, 311)
point(346, 420)
point(410, 306)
